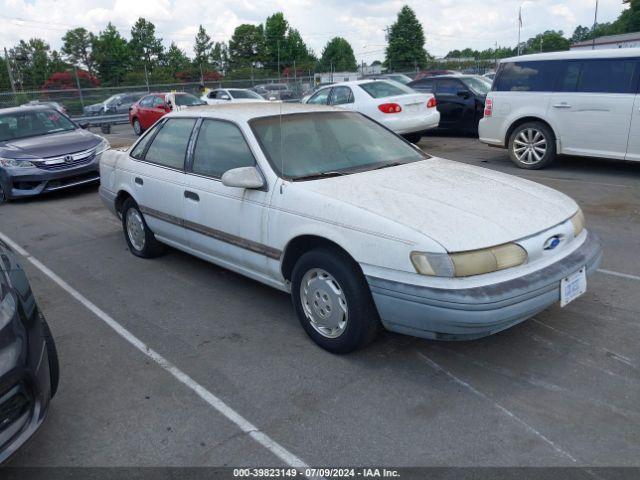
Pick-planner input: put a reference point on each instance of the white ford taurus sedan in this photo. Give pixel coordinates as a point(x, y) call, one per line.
point(363, 228)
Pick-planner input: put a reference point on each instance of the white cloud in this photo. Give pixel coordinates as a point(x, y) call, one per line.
point(448, 24)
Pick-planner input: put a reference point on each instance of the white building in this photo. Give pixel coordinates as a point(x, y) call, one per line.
point(626, 40)
point(334, 77)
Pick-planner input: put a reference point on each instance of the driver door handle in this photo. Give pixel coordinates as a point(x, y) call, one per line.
point(562, 105)
point(191, 196)
point(139, 181)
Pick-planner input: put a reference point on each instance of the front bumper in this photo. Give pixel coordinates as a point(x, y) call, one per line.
point(28, 182)
point(470, 313)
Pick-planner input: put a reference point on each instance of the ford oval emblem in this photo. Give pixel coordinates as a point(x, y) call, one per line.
point(551, 242)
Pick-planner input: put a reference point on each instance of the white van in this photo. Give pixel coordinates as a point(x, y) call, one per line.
point(576, 103)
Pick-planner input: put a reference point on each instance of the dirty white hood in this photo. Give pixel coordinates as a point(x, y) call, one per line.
point(460, 206)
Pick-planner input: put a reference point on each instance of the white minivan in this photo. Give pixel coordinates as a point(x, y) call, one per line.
point(582, 103)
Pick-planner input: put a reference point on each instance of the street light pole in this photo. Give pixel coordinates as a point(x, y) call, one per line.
point(593, 31)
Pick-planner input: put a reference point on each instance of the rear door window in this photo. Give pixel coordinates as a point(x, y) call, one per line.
point(169, 147)
point(615, 75)
point(527, 76)
point(340, 96)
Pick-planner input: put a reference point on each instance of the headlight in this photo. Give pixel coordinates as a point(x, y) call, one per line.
point(578, 223)
point(103, 147)
point(474, 262)
point(12, 162)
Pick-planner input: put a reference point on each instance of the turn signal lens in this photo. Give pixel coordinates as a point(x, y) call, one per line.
point(578, 223)
point(390, 108)
point(432, 103)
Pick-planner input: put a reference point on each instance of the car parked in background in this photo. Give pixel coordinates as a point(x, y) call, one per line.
point(397, 107)
point(29, 369)
point(152, 107)
point(274, 91)
point(396, 77)
point(42, 150)
point(360, 226)
point(490, 76)
point(231, 95)
point(583, 102)
point(119, 103)
point(433, 73)
point(460, 99)
point(46, 103)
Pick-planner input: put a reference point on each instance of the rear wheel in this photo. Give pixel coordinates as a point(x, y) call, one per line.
point(3, 197)
point(141, 241)
point(532, 146)
point(333, 301)
point(137, 128)
point(413, 137)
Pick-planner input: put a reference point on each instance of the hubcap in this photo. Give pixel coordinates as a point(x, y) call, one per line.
point(530, 146)
point(135, 229)
point(136, 127)
point(324, 303)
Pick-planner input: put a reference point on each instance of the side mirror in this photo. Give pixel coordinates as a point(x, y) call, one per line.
point(243, 177)
point(464, 93)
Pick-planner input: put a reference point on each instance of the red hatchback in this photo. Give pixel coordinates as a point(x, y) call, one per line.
point(151, 108)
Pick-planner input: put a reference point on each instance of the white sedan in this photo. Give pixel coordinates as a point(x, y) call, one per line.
point(230, 95)
point(361, 227)
point(390, 103)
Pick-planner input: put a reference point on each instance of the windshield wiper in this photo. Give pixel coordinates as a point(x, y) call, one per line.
point(387, 165)
point(315, 176)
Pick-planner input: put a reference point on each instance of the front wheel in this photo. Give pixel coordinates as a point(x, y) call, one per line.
point(532, 146)
point(333, 301)
point(140, 239)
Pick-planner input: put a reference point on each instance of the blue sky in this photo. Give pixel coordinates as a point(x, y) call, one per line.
point(448, 24)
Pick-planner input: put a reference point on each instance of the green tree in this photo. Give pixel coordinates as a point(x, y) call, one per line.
point(549, 41)
point(5, 83)
point(275, 41)
point(406, 42)
point(337, 55)
point(57, 63)
point(246, 46)
point(76, 47)
point(202, 48)
point(580, 34)
point(145, 47)
point(111, 55)
point(175, 60)
point(297, 51)
point(220, 56)
point(31, 63)
point(629, 20)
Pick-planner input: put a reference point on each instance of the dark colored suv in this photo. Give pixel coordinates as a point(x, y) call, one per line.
point(29, 369)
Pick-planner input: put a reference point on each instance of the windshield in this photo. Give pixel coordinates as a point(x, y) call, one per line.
point(27, 123)
point(381, 89)
point(188, 100)
point(245, 94)
point(478, 85)
point(308, 144)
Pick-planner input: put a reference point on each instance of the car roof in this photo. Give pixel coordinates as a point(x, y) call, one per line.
point(357, 82)
point(243, 112)
point(577, 54)
point(22, 108)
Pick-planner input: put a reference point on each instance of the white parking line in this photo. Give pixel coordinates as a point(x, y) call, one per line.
point(242, 423)
point(618, 274)
point(504, 410)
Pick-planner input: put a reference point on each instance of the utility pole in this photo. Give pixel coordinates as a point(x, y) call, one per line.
point(595, 24)
point(75, 71)
point(519, 27)
point(146, 77)
point(278, 44)
point(541, 40)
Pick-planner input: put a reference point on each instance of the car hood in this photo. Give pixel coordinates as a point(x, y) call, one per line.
point(51, 145)
point(459, 206)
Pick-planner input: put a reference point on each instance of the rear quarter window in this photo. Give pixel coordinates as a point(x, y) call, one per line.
point(527, 76)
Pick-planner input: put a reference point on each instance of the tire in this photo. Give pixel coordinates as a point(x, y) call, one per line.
point(532, 145)
point(137, 128)
point(3, 196)
point(344, 294)
point(413, 137)
point(140, 240)
point(52, 354)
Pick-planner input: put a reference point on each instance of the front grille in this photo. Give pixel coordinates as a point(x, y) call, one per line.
point(15, 403)
point(67, 161)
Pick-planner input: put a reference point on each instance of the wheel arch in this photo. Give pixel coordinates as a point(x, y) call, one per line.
point(122, 197)
point(301, 244)
point(531, 118)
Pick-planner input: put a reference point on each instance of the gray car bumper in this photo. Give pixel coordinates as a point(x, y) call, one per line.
point(28, 182)
point(466, 314)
